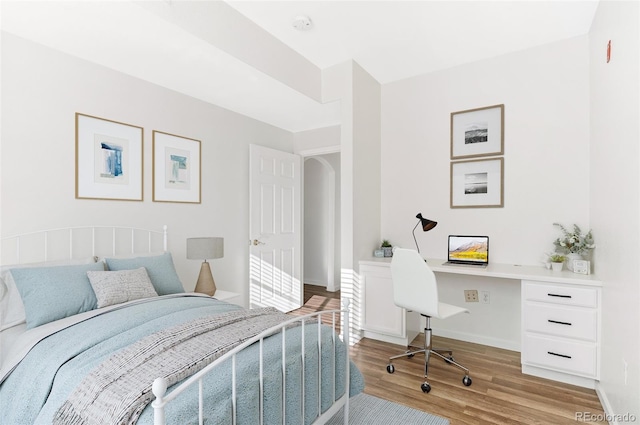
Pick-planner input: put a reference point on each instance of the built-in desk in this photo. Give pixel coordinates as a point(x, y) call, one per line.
point(560, 315)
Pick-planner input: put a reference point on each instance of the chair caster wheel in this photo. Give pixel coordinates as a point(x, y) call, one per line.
point(449, 360)
point(409, 354)
point(425, 387)
point(466, 380)
point(390, 368)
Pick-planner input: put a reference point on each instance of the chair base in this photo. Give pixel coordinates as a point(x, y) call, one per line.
point(428, 351)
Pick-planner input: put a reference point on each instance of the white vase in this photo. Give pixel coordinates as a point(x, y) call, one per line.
point(557, 267)
point(570, 258)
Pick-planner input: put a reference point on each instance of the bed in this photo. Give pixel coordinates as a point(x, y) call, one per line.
point(95, 327)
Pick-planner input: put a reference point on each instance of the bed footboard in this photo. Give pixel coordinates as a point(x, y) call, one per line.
point(315, 319)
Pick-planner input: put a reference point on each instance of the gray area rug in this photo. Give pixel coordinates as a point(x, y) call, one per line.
point(365, 409)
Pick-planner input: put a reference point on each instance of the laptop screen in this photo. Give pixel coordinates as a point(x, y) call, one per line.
point(468, 249)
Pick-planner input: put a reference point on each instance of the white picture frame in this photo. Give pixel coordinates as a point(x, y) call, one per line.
point(581, 266)
point(109, 162)
point(176, 168)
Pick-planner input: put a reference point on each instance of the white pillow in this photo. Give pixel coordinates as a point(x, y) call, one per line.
point(11, 306)
point(116, 287)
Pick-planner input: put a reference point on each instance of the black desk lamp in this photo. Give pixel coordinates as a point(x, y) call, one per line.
point(426, 226)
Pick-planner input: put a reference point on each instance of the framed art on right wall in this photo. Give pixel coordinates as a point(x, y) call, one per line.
point(176, 168)
point(477, 183)
point(477, 132)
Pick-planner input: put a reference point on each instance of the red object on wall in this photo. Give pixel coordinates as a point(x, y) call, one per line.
point(608, 51)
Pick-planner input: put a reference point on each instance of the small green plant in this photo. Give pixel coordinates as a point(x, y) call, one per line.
point(557, 258)
point(385, 244)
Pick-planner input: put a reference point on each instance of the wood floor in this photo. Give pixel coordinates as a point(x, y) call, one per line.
point(500, 393)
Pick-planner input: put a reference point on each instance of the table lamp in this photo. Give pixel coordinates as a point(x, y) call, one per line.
point(205, 249)
point(426, 226)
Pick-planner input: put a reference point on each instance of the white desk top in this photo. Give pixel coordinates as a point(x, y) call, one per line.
point(504, 271)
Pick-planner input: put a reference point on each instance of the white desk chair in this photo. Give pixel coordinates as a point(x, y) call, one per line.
point(415, 289)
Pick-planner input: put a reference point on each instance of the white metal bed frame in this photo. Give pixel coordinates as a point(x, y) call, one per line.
point(159, 386)
point(71, 230)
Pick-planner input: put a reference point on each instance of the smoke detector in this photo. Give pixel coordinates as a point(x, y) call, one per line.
point(302, 23)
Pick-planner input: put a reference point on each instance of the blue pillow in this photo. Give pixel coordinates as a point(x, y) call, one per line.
point(159, 268)
point(52, 293)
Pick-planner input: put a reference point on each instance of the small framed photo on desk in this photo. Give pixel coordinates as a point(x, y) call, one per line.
point(582, 266)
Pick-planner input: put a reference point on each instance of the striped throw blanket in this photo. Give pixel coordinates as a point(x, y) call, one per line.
point(118, 390)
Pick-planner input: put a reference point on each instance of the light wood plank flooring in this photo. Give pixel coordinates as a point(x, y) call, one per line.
point(500, 393)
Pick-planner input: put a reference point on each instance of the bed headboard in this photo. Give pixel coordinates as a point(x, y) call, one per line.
point(82, 241)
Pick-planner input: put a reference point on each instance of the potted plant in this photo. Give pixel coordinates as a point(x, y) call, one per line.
point(387, 248)
point(557, 261)
point(574, 244)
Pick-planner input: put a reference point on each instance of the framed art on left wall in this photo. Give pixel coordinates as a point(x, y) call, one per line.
point(108, 159)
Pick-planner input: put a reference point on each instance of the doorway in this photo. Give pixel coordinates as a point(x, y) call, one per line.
point(321, 233)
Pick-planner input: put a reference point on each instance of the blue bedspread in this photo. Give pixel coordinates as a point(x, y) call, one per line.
point(56, 365)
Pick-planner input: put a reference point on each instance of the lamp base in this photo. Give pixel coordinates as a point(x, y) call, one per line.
point(205, 284)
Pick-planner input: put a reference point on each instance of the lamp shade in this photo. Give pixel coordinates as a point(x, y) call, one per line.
point(426, 223)
point(205, 248)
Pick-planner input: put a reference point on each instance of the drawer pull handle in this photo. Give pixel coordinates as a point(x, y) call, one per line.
point(559, 296)
point(559, 355)
point(558, 322)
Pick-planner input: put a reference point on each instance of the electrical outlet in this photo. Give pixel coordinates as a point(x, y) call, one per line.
point(485, 297)
point(471, 295)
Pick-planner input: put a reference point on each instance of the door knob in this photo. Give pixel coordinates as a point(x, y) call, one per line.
point(256, 242)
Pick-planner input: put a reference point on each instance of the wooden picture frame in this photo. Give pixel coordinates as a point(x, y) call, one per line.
point(477, 132)
point(176, 168)
point(477, 183)
point(109, 161)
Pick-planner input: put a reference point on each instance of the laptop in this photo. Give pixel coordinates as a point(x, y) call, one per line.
point(468, 250)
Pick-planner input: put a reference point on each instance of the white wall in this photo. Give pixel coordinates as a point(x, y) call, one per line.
point(359, 96)
point(319, 140)
point(545, 91)
point(366, 165)
point(42, 89)
point(615, 192)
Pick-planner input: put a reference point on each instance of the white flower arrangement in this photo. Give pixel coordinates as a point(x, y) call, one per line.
point(573, 242)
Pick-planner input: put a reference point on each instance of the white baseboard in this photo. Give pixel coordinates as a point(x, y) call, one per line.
point(553, 375)
point(315, 283)
point(386, 338)
point(478, 339)
point(606, 406)
point(323, 284)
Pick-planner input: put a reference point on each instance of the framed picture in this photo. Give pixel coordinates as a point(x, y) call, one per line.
point(176, 168)
point(108, 159)
point(477, 132)
point(477, 183)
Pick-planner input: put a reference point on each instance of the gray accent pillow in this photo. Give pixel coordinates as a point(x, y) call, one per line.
point(160, 269)
point(52, 293)
point(117, 287)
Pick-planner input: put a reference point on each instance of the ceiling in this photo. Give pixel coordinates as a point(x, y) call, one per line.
point(391, 40)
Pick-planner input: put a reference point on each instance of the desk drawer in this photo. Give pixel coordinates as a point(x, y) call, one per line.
point(572, 322)
point(560, 294)
point(565, 356)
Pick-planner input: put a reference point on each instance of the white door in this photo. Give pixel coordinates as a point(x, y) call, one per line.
point(275, 233)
